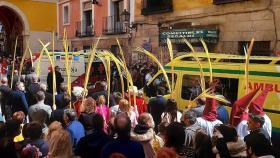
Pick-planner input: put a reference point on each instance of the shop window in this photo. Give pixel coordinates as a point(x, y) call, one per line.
point(191, 87)
point(260, 48)
point(150, 89)
point(66, 14)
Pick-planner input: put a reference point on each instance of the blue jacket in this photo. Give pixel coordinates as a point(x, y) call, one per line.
point(223, 115)
point(19, 102)
point(76, 130)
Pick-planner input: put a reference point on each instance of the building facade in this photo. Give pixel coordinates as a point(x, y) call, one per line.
point(28, 20)
point(226, 25)
point(87, 20)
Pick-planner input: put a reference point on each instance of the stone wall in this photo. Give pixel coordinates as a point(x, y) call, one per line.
point(241, 21)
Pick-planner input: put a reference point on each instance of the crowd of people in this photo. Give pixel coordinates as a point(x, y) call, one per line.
point(117, 125)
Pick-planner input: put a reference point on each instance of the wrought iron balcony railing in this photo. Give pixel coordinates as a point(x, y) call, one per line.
point(113, 26)
point(86, 31)
point(156, 6)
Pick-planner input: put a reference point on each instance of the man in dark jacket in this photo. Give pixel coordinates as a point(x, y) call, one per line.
point(18, 99)
point(123, 145)
point(93, 143)
point(103, 92)
point(5, 92)
point(156, 106)
point(31, 91)
point(59, 80)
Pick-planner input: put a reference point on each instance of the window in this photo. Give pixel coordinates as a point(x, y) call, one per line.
point(66, 14)
point(156, 6)
point(191, 88)
point(260, 48)
point(150, 90)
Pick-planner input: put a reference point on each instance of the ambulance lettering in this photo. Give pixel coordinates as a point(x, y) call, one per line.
point(270, 87)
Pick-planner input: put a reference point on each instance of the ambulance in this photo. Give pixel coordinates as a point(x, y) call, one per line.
point(228, 71)
point(78, 61)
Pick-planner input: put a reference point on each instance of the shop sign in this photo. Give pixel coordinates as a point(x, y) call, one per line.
point(193, 35)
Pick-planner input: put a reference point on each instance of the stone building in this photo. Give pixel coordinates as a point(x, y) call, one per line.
point(226, 25)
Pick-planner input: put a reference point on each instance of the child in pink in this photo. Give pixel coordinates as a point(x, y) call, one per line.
point(103, 110)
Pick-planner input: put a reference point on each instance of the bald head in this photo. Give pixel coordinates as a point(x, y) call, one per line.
point(4, 80)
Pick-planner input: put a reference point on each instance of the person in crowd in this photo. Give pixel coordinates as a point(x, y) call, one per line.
point(156, 106)
point(209, 118)
point(60, 145)
point(42, 117)
point(48, 96)
point(59, 96)
point(7, 146)
point(255, 125)
point(103, 109)
point(227, 143)
point(144, 133)
point(123, 144)
point(74, 127)
point(202, 145)
point(166, 153)
point(32, 90)
point(200, 107)
point(175, 139)
point(16, 77)
point(114, 110)
point(57, 115)
point(162, 128)
point(104, 92)
point(139, 101)
point(93, 143)
point(5, 92)
point(20, 117)
point(30, 151)
point(54, 126)
point(171, 113)
point(78, 92)
point(148, 75)
point(59, 80)
point(256, 108)
point(40, 97)
point(18, 99)
point(127, 109)
point(222, 112)
point(189, 120)
point(239, 114)
point(87, 111)
point(260, 147)
point(34, 130)
point(29, 77)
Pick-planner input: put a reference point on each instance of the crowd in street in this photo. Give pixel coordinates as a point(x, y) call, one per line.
point(120, 125)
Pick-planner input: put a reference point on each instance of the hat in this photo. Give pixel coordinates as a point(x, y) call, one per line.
point(133, 90)
point(256, 106)
point(257, 118)
point(77, 91)
point(238, 112)
point(210, 112)
point(223, 98)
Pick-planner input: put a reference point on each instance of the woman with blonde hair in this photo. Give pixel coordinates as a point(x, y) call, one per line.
point(60, 145)
point(103, 110)
point(126, 108)
point(87, 111)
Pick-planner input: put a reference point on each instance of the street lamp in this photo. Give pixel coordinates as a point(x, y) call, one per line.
point(125, 16)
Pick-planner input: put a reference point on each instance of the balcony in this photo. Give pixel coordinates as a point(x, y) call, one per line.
point(217, 2)
point(87, 30)
point(112, 26)
point(150, 7)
